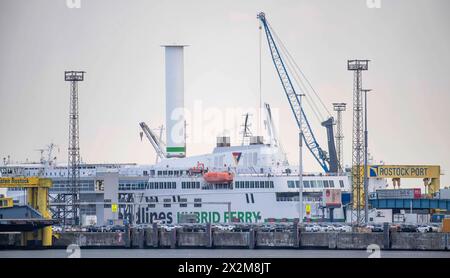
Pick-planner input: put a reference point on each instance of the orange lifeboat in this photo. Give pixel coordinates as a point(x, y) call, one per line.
point(218, 177)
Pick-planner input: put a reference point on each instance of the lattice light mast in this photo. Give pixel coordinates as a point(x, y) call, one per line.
point(357, 66)
point(339, 108)
point(72, 211)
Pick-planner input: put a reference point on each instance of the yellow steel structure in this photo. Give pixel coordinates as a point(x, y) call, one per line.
point(430, 174)
point(355, 177)
point(6, 202)
point(37, 197)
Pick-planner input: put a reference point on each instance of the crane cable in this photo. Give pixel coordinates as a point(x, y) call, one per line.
point(303, 88)
point(309, 101)
point(260, 78)
point(295, 65)
point(307, 80)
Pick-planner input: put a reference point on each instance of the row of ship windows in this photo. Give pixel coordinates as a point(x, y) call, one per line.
point(182, 205)
point(62, 189)
point(62, 186)
point(194, 185)
point(315, 184)
point(238, 184)
point(148, 185)
point(190, 185)
point(169, 172)
point(170, 185)
point(59, 185)
point(89, 185)
point(52, 174)
point(63, 183)
point(294, 197)
point(214, 186)
point(253, 184)
point(182, 202)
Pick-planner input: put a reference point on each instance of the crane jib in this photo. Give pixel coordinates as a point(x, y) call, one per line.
point(294, 102)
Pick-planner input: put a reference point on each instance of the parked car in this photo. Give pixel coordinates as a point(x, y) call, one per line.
point(312, 228)
point(217, 227)
point(342, 228)
point(377, 228)
point(229, 227)
point(323, 227)
point(267, 228)
point(394, 228)
point(196, 227)
point(316, 228)
point(435, 227)
point(424, 229)
point(70, 229)
point(242, 228)
point(280, 227)
point(94, 229)
point(56, 229)
point(408, 228)
point(116, 228)
point(170, 227)
point(326, 228)
point(167, 228)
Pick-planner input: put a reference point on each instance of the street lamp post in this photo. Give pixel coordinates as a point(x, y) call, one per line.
point(300, 163)
point(366, 185)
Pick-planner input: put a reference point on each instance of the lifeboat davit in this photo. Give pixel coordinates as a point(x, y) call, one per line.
point(218, 177)
point(200, 168)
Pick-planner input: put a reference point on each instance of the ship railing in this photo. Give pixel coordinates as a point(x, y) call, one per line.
point(288, 174)
point(246, 173)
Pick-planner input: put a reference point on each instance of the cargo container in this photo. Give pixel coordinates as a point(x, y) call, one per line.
point(446, 225)
point(437, 218)
point(346, 198)
point(406, 193)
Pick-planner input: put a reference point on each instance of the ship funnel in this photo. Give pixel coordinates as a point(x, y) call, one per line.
point(175, 122)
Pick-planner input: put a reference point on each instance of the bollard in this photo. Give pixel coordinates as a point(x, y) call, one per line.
point(173, 238)
point(155, 235)
point(387, 236)
point(296, 235)
point(251, 239)
point(146, 231)
point(128, 239)
point(209, 244)
point(141, 239)
point(332, 240)
point(130, 233)
point(447, 240)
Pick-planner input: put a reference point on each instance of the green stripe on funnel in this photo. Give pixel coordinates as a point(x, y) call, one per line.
point(175, 149)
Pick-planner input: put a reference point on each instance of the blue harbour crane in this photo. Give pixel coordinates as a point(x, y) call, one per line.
point(328, 161)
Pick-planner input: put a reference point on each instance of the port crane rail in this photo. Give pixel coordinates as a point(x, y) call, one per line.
point(328, 163)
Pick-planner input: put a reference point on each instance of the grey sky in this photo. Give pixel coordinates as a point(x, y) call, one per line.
point(118, 43)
